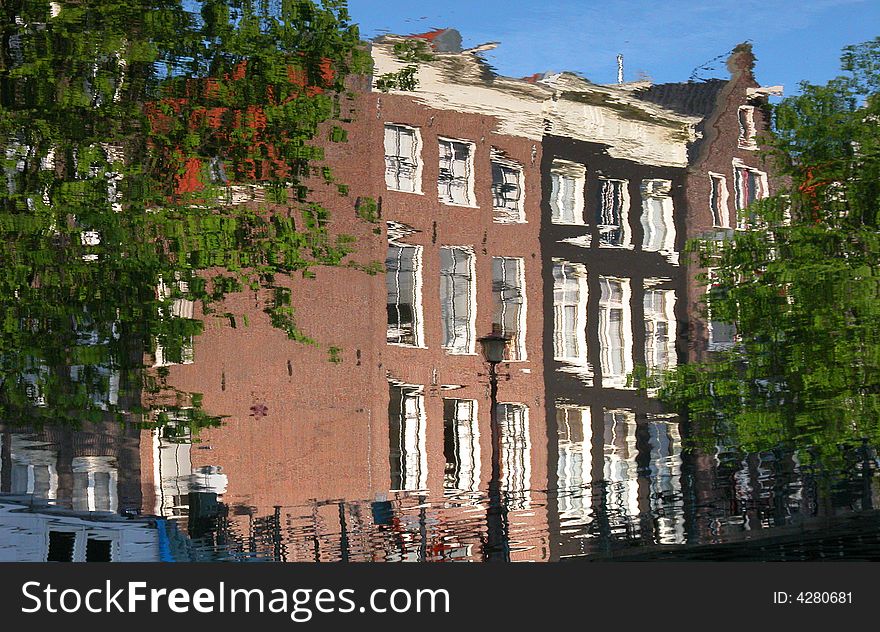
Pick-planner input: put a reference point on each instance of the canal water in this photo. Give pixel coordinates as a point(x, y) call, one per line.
point(277, 290)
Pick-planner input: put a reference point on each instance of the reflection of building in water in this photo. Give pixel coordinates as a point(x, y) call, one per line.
point(29, 534)
point(614, 183)
point(560, 213)
point(62, 493)
point(96, 469)
point(463, 262)
point(725, 174)
point(725, 171)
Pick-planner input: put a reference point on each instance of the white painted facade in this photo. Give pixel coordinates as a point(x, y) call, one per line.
point(25, 534)
point(563, 104)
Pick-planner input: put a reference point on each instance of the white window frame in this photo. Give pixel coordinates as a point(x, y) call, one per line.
point(604, 229)
point(466, 439)
point(516, 349)
point(417, 312)
point(505, 214)
point(469, 346)
point(656, 190)
point(561, 322)
point(516, 454)
point(738, 167)
point(613, 379)
point(413, 458)
point(653, 343)
point(575, 463)
point(392, 176)
point(722, 197)
point(444, 196)
point(576, 174)
point(747, 131)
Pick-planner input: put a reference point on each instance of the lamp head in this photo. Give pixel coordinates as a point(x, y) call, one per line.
point(493, 347)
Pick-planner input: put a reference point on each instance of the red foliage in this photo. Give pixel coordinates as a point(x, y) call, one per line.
point(262, 163)
point(189, 182)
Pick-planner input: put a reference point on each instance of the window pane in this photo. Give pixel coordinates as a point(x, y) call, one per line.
point(454, 179)
point(613, 213)
point(461, 445)
point(660, 327)
point(98, 550)
point(457, 299)
point(621, 469)
point(569, 312)
point(506, 191)
point(60, 546)
point(718, 201)
point(406, 427)
point(664, 441)
point(404, 294)
point(566, 197)
point(508, 301)
point(658, 226)
point(515, 454)
point(401, 158)
point(615, 331)
point(574, 466)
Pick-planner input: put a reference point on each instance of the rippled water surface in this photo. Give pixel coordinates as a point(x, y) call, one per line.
point(271, 292)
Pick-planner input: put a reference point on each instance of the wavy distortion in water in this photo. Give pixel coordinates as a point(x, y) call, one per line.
point(238, 323)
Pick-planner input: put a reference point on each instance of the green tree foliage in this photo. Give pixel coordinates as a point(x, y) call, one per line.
point(802, 284)
point(412, 52)
point(153, 156)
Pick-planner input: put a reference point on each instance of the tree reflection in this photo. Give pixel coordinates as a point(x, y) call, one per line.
point(154, 157)
point(802, 285)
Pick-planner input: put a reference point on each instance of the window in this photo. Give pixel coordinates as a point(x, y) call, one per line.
point(722, 335)
point(507, 190)
point(660, 327)
point(34, 380)
point(570, 312)
point(461, 445)
point(664, 442)
point(615, 331)
point(455, 182)
point(746, 117)
point(406, 427)
point(33, 470)
point(750, 185)
point(99, 550)
point(94, 484)
point(457, 299)
point(657, 216)
point(181, 352)
point(567, 195)
point(61, 545)
point(509, 304)
point(575, 464)
point(516, 447)
point(718, 200)
point(403, 167)
point(404, 285)
point(613, 213)
point(620, 468)
point(172, 446)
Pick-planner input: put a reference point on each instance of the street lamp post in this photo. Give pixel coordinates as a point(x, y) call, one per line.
point(497, 548)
